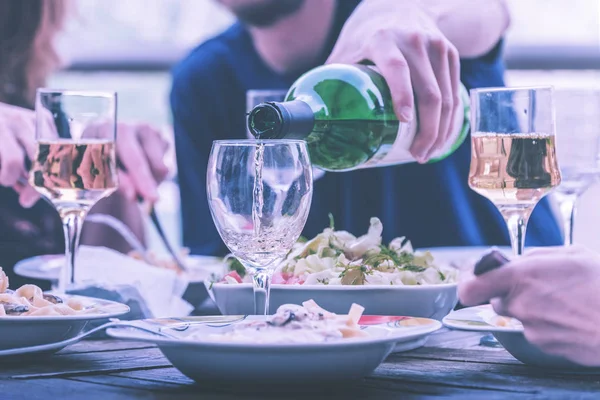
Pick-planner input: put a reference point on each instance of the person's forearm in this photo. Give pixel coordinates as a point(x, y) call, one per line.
point(473, 26)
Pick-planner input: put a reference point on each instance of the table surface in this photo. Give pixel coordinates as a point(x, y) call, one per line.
point(451, 365)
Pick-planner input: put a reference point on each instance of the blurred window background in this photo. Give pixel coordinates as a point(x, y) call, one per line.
point(129, 46)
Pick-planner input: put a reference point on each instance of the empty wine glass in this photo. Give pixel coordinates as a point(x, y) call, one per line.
point(259, 193)
point(578, 148)
point(513, 157)
point(75, 163)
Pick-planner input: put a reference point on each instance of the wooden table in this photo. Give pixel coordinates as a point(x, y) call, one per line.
point(451, 365)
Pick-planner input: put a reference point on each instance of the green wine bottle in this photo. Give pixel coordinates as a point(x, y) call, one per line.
point(345, 114)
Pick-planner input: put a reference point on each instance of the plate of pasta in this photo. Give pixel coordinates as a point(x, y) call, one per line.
point(31, 317)
point(299, 343)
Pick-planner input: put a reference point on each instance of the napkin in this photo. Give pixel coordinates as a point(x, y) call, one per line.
point(158, 290)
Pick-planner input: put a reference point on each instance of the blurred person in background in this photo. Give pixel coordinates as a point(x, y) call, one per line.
point(554, 293)
point(30, 227)
point(422, 46)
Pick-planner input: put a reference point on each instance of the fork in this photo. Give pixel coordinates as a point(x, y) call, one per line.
point(114, 322)
point(158, 227)
point(163, 237)
point(122, 229)
point(126, 233)
point(129, 236)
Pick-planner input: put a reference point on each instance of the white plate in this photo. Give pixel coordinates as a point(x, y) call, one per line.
point(469, 319)
point(426, 301)
point(47, 267)
point(461, 257)
point(23, 331)
point(513, 339)
point(246, 363)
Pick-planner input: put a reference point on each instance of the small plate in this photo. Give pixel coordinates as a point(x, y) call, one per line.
point(47, 267)
point(470, 319)
point(513, 339)
point(25, 331)
point(206, 360)
point(461, 257)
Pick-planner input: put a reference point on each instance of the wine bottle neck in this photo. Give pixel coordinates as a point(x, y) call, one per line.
point(281, 120)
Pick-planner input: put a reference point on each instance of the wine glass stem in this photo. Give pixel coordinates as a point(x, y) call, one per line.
point(517, 225)
point(568, 211)
point(262, 291)
point(72, 220)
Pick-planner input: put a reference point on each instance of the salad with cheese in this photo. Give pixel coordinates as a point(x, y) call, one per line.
point(340, 258)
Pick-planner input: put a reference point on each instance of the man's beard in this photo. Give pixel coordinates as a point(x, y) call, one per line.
point(267, 13)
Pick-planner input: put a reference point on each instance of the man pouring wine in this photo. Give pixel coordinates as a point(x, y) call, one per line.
point(424, 50)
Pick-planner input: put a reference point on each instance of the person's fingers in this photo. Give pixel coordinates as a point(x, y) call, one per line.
point(496, 283)
point(126, 186)
point(454, 63)
point(28, 196)
point(85, 169)
point(500, 282)
point(99, 169)
point(154, 146)
point(499, 306)
point(443, 59)
point(46, 124)
point(24, 129)
point(12, 158)
point(56, 182)
point(129, 152)
point(61, 151)
point(428, 96)
point(395, 69)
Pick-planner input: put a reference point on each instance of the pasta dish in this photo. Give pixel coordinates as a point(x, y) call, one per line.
point(29, 300)
point(292, 323)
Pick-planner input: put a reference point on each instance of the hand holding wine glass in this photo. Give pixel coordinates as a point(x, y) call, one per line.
point(259, 193)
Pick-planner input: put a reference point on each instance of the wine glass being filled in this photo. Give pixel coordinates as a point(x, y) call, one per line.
point(75, 161)
point(259, 193)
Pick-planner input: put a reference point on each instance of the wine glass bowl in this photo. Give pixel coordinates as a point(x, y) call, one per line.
point(75, 162)
point(259, 193)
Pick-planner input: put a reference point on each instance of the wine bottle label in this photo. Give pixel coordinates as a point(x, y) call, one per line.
point(399, 153)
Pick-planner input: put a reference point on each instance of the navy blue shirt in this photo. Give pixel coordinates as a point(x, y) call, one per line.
point(431, 204)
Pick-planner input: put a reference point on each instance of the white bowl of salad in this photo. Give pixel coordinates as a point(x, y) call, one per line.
point(337, 269)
